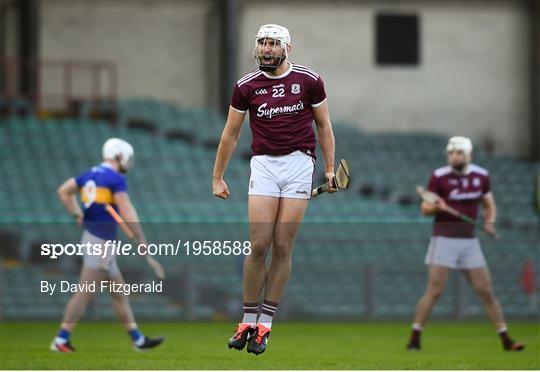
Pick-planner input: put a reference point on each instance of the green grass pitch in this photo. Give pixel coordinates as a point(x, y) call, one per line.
point(291, 346)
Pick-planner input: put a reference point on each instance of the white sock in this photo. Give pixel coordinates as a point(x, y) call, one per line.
point(250, 313)
point(268, 310)
point(250, 319)
point(60, 340)
point(265, 320)
point(417, 327)
point(503, 329)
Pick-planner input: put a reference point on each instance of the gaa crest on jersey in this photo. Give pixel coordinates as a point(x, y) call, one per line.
point(295, 88)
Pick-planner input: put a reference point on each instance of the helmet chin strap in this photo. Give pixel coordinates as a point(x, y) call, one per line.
point(271, 68)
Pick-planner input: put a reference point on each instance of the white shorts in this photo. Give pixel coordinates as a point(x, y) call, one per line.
point(455, 253)
point(97, 261)
point(284, 176)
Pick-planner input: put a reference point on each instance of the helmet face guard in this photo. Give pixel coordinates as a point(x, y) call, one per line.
point(269, 62)
point(459, 144)
point(279, 39)
point(126, 163)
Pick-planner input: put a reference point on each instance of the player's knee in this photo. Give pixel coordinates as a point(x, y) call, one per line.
point(118, 296)
point(259, 251)
point(282, 251)
point(485, 294)
point(435, 292)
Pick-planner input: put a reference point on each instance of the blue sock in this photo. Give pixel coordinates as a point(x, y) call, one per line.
point(135, 334)
point(63, 336)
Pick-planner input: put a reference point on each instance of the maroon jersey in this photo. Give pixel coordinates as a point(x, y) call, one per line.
point(280, 109)
point(461, 192)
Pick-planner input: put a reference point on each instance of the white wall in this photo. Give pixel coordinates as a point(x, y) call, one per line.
point(158, 46)
point(472, 79)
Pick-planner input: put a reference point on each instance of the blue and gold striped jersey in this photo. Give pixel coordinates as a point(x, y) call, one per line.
point(98, 186)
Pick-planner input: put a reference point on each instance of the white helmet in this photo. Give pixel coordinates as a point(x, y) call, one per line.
point(459, 143)
point(120, 150)
point(275, 32)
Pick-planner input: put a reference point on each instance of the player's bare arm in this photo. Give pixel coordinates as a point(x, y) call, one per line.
point(490, 212)
point(67, 194)
point(129, 214)
point(227, 144)
point(326, 140)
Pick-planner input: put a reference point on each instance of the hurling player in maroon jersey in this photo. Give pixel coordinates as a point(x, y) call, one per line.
point(463, 186)
point(283, 100)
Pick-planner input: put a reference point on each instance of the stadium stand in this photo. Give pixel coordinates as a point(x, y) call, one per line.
point(359, 253)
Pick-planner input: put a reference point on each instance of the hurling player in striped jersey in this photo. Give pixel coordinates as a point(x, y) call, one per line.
point(463, 186)
point(99, 186)
point(283, 100)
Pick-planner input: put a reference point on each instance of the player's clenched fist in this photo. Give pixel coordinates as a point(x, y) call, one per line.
point(330, 176)
point(489, 227)
point(220, 189)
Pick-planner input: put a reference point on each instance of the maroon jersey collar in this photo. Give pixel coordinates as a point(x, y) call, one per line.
point(282, 75)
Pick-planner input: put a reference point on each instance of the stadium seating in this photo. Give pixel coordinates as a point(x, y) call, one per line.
point(358, 255)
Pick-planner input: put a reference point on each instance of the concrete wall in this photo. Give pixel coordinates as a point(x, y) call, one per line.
point(472, 79)
point(9, 40)
point(8, 28)
point(158, 46)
